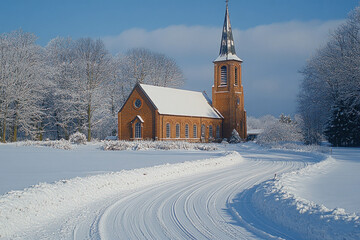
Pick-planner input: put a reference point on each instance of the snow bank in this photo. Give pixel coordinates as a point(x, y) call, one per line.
point(127, 145)
point(59, 144)
point(38, 205)
point(275, 201)
point(296, 146)
point(162, 145)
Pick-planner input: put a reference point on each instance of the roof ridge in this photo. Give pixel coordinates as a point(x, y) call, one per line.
point(179, 89)
point(179, 102)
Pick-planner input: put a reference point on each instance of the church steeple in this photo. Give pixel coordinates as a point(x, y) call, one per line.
point(227, 91)
point(227, 46)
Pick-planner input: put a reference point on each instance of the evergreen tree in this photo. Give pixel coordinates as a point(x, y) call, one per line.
point(285, 119)
point(235, 137)
point(332, 75)
point(344, 126)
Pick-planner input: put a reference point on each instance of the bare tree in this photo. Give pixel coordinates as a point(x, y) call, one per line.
point(143, 66)
point(116, 91)
point(23, 82)
point(65, 101)
point(94, 61)
point(70, 85)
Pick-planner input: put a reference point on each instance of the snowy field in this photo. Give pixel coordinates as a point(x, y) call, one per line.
point(334, 184)
point(23, 166)
point(229, 193)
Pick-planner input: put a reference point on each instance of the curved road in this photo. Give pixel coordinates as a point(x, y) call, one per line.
point(196, 207)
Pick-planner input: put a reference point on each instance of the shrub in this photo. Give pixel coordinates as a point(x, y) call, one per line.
point(281, 131)
point(235, 137)
point(161, 145)
point(59, 144)
point(77, 138)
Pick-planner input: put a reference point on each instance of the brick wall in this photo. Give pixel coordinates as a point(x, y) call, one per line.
point(154, 126)
point(129, 112)
point(229, 99)
point(191, 121)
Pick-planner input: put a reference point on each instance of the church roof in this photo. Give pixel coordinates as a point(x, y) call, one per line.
point(227, 47)
point(179, 102)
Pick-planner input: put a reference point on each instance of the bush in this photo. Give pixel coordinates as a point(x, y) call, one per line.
point(161, 145)
point(235, 137)
point(59, 144)
point(284, 130)
point(78, 138)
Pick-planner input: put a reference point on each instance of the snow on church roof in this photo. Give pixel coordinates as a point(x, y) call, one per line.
point(179, 102)
point(227, 57)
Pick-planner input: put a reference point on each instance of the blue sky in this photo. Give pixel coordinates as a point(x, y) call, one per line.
point(273, 37)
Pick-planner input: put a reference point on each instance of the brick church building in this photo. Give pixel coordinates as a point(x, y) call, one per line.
point(162, 113)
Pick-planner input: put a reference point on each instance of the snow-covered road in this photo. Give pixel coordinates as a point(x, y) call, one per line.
point(202, 206)
point(197, 207)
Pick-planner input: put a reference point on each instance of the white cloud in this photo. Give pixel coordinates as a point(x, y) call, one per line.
point(273, 54)
point(175, 40)
point(297, 38)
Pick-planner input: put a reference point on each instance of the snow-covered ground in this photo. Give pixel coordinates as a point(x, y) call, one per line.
point(23, 166)
point(320, 201)
point(335, 183)
point(225, 194)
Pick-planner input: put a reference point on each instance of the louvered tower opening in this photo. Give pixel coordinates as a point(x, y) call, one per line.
point(223, 75)
point(236, 76)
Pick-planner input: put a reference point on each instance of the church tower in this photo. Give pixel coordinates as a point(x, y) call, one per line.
point(227, 91)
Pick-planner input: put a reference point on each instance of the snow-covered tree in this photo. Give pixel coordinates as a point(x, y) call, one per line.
point(260, 123)
point(332, 76)
point(94, 64)
point(344, 126)
point(285, 119)
point(235, 137)
point(70, 85)
point(65, 101)
point(23, 84)
point(144, 66)
point(283, 130)
point(86, 86)
point(117, 93)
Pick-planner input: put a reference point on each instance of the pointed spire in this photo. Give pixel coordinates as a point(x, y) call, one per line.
point(227, 47)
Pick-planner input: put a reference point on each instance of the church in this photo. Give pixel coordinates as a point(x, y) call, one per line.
point(161, 113)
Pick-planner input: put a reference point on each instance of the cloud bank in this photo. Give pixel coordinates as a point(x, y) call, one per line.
point(273, 54)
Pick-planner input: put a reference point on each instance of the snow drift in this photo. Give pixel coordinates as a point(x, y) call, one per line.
point(122, 145)
point(161, 145)
point(58, 144)
point(38, 205)
point(312, 221)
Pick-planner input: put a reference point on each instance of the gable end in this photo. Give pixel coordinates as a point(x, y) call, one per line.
point(137, 85)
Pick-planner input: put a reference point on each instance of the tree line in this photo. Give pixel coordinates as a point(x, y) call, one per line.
point(329, 99)
point(71, 85)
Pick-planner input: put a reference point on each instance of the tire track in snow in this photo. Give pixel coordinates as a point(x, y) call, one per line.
point(191, 208)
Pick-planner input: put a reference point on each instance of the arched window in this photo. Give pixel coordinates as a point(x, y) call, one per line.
point(187, 131)
point(236, 76)
point(217, 131)
point(223, 75)
point(177, 130)
point(203, 130)
point(210, 131)
point(168, 130)
point(194, 131)
point(138, 130)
